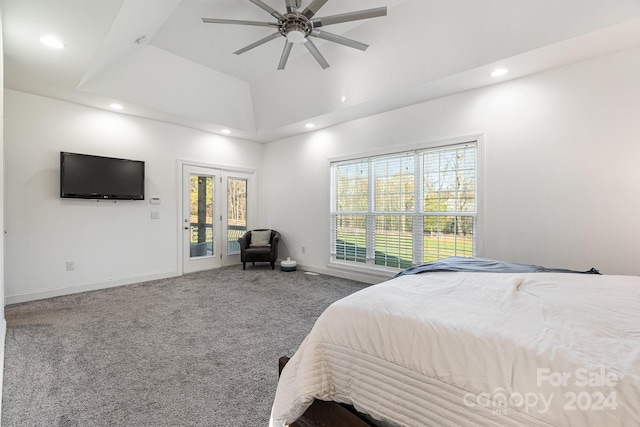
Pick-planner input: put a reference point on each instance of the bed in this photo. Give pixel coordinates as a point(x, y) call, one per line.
point(512, 345)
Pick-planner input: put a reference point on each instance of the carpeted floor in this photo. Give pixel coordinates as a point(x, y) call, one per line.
point(196, 350)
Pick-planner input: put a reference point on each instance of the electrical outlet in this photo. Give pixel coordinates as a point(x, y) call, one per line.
point(303, 249)
point(71, 265)
point(155, 215)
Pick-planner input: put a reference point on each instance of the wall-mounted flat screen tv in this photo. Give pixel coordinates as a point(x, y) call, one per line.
point(83, 176)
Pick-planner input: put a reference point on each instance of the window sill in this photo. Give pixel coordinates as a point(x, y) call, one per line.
point(374, 272)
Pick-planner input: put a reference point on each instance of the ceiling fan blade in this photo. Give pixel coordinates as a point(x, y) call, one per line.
point(285, 55)
point(339, 39)
point(313, 8)
point(236, 22)
point(316, 53)
point(291, 6)
point(268, 8)
point(349, 16)
point(258, 43)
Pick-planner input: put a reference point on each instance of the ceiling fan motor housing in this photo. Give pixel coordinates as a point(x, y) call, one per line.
point(300, 27)
point(294, 27)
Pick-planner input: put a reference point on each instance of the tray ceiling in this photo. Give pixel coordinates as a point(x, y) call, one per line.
point(160, 61)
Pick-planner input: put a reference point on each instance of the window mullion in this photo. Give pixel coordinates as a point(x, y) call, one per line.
point(371, 221)
point(418, 208)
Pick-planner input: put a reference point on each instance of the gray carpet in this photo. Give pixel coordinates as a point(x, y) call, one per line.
point(197, 350)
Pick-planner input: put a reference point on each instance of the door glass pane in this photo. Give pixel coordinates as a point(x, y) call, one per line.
point(236, 213)
point(201, 216)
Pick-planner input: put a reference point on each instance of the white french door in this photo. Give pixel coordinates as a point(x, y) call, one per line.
point(201, 218)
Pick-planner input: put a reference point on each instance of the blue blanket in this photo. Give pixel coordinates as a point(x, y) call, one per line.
point(485, 265)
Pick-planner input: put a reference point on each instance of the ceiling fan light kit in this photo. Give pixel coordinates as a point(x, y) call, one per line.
point(295, 32)
point(297, 27)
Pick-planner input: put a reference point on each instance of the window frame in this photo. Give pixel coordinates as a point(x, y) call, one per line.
point(418, 214)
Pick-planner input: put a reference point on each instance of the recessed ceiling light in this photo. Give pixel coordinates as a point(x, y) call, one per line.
point(52, 42)
point(499, 72)
point(344, 98)
point(226, 131)
point(116, 106)
point(309, 125)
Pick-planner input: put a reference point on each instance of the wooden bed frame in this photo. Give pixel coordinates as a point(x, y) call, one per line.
point(327, 414)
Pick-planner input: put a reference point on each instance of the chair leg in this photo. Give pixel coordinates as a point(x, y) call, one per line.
point(244, 265)
point(273, 265)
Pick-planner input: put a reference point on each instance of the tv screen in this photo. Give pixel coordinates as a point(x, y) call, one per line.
point(83, 176)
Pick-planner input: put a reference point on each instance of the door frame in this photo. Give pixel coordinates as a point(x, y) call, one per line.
point(227, 172)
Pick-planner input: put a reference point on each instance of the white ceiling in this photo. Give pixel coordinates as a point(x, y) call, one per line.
point(185, 72)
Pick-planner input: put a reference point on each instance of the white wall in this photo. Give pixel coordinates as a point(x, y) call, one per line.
point(561, 183)
point(561, 176)
point(111, 243)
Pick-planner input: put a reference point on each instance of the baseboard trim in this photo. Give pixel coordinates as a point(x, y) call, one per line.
point(88, 286)
point(370, 278)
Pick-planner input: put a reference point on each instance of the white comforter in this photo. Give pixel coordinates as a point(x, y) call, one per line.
point(476, 348)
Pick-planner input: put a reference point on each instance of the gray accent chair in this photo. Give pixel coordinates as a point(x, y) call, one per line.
point(255, 254)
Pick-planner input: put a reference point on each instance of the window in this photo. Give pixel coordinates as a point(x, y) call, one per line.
point(405, 209)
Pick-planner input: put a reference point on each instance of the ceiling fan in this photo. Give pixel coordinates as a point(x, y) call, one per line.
point(299, 26)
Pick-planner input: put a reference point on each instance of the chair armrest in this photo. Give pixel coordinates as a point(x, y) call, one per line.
point(275, 238)
point(245, 240)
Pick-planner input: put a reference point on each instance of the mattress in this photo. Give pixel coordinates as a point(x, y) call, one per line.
point(460, 348)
